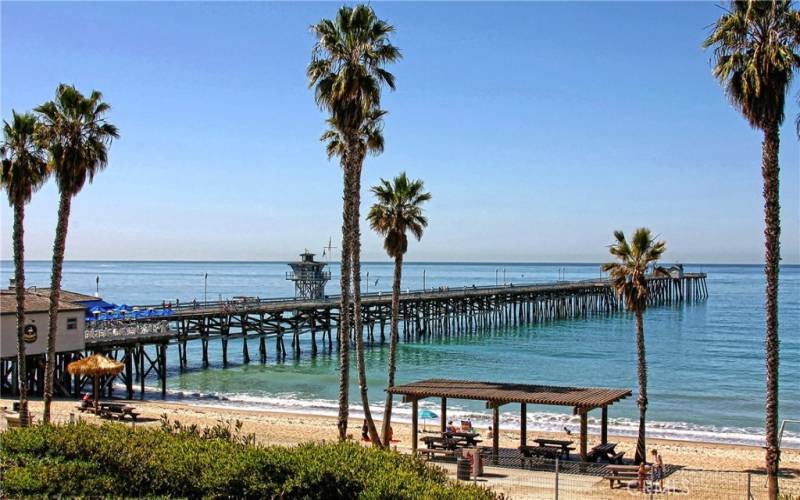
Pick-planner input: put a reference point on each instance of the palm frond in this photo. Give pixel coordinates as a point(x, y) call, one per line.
point(76, 135)
point(397, 210)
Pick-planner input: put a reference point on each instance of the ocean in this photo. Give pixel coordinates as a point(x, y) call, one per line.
point(705, 361)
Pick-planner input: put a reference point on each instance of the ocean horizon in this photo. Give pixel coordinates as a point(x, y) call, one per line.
point(705, 360)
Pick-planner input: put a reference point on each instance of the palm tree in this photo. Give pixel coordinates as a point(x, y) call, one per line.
point(24, 171)
point(369, 140)
point(629, 280)
point(755, 56)
point(398, 209)
point(347, 71)
point(78, 137)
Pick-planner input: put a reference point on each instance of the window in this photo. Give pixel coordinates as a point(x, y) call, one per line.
point(72, 323)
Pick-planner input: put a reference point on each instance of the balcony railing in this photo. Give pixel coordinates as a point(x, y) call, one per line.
point(320, 276)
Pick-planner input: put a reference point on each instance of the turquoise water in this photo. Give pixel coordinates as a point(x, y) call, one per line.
point(705, 361)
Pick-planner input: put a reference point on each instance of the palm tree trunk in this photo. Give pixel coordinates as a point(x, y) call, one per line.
point(772, 231)
point(641, 450)
point(19, 281)
point(344, 305)
point(387, 410)
point(55, 294)
point(355, 248)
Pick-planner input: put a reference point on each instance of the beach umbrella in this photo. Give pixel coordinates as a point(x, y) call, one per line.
point(95, 366)
point(426, 414)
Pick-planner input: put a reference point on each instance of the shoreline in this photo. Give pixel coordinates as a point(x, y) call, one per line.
point(286, 428)
point(550, 422)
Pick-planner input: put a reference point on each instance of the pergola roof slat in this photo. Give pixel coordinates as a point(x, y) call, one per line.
point(496, 392)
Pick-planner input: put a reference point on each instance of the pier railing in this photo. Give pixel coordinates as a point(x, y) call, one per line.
point(248, 303)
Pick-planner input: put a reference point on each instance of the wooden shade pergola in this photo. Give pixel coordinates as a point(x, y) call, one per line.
point(496, 394)
point(95, 366)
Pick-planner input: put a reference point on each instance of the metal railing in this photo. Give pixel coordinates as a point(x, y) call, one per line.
point(244, 304)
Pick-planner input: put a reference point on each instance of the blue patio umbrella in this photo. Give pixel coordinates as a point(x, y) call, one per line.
point(426, 414)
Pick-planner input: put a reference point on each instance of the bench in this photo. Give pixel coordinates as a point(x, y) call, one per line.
point(433, 452)
point(13, 420)
point(545, 451)
point(622, 473)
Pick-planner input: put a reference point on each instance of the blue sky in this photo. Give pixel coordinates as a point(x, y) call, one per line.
point(538, 127)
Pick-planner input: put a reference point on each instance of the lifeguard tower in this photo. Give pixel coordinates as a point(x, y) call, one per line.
point(308, 276)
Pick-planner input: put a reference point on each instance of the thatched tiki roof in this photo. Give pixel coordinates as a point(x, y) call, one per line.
point(95, 365)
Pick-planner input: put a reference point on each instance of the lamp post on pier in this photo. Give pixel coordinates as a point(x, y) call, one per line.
point(205, 290)
point(97, 286)
point(423, 280)
point(496, 279)
point(367, 282)
point(504, 276)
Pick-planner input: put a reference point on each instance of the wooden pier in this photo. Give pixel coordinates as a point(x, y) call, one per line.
point(142, 344)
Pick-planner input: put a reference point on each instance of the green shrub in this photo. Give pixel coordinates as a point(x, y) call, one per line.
point(177, 461)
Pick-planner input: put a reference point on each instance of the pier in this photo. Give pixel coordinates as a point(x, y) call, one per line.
point(273, 327)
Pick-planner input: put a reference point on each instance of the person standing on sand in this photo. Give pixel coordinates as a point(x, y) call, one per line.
point(658, 469)
point(642, 472)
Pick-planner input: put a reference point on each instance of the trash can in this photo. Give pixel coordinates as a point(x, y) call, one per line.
point(462, 469)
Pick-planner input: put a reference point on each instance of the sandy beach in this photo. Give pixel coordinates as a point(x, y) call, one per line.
point(276, 428)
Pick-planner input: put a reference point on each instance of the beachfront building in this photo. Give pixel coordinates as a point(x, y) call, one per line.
point(71, 326)
point(309, 277)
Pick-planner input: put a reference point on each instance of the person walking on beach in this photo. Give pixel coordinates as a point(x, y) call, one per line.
point(365, 431)
point(658, 469)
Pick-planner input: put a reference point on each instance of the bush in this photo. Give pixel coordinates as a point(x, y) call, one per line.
point(112, 459)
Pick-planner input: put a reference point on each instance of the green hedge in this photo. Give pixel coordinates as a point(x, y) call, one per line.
point(115, 460)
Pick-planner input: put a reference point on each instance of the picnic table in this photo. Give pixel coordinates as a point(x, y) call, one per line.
point(451, 441)
point(605, 451)
point(470, 438)
point(116, 410)
point(565, 446)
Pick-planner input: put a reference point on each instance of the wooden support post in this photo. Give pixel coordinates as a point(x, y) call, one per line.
point(313, 321)
point(496, 433)
point(245, 350)
point(141, 370)
point(204, 340)
point(523, 424)
point(129, 371)
point(262, 348)
point(443, 419)
point(414, 426)
point(583, 437)
point(224, 349)
point(604, 426)
point(163, 366)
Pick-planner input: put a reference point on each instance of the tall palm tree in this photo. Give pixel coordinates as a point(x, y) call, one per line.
point(347, 72)
point(369, 140)
point(24, 171)
point(78, 137)
point(629, 280)
point(755, 56)
point(397, 210)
